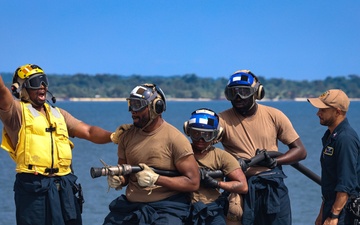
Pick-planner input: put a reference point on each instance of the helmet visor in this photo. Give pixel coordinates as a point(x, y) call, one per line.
point(137, 104)
point(243, 91)
point(197, 134)
point(35, 82)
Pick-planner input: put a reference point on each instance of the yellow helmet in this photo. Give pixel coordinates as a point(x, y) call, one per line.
point(21, 75)
point(28, 70)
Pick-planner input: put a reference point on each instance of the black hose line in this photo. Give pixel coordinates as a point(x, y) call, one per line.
point(127, 169)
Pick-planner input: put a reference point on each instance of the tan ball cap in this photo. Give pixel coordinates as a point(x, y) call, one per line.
point(335, 98)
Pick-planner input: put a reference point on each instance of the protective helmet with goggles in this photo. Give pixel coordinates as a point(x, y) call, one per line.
point(140, 97)
point(203, 123)
point(241, 84)
point(32, 75)
point(35, 82)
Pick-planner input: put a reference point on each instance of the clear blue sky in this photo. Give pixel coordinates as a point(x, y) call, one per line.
point(291, 39)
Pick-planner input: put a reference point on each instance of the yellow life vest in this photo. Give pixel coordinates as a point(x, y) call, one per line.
point(44, 146)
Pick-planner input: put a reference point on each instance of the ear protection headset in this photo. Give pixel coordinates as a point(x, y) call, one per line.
point(159, 103)
point(23, 72)
point(260, 93)
point(259, 88)
point(211, 117)
point(15, 89)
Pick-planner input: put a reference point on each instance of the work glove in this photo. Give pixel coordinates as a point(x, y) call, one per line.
point(267, 161)
point(118, 132)
point(115, 181)
point(235, 210)
point(206, 180)
point(146, 177)
point(243, 164)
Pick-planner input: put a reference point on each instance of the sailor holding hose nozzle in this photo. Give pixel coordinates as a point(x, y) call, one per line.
point(209, 203)
point(151, 198)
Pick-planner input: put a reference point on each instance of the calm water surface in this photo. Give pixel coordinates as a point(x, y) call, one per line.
point(304, 193)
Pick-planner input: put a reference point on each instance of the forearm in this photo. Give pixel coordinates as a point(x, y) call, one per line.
point(233, 186)
point(179, 183)
point(6, 98)
point(237, 182)
point(296, 153)
point(99, 135)
point(92, 133)
point(340, 201)
point(190, 177)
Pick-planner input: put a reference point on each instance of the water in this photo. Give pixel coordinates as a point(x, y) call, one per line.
point(304, 193)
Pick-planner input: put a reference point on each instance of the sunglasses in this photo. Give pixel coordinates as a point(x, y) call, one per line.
point(35, 82)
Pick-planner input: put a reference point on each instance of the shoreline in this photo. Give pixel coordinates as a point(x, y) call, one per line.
point(124, 99)
point(178, 99)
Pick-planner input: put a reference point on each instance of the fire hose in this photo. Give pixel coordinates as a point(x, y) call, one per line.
point(125, 169)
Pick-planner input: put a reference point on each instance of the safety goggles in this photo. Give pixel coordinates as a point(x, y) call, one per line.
point(137, 104)
point(196, 135)
point(35, 82)
point(243, 92)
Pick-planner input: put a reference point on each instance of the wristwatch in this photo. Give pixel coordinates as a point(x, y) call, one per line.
point(333, 216)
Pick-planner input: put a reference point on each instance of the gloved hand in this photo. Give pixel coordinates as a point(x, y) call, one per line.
point(243, 164)
point(115, 181)
point(267, 161)
point(206, 180)
point(118, 132)
point(146, 177)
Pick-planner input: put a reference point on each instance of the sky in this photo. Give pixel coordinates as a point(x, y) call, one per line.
point(290, 39)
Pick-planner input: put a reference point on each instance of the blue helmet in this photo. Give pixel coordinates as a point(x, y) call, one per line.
point(203, 123)
point(241, 79)
point(243, 84)
point(204, 119)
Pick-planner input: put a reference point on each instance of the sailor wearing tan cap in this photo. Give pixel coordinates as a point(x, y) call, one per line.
point(333, 98)
point(340, 160)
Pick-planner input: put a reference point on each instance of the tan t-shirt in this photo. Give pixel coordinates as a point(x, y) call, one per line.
point(243, 135)
point(160, 149)
point(12, 121)
point(215, 159)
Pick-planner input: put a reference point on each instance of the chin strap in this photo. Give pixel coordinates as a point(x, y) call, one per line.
point(24, 96)
point(244, 112)
point(153, 115)
point(207, 148)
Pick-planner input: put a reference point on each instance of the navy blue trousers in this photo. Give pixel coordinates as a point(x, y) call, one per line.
point(173, 210)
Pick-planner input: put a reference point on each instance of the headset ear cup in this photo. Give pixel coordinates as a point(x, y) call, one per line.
point(15, 85)
point(15, 89)
point(260, 92)
point(219, 134)
point(158, 106)
point(185, 128)
point(226, 93)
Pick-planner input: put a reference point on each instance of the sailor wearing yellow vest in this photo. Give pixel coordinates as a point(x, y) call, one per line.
point(36, 136)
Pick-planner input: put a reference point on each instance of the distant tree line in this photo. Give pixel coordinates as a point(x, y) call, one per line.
point(188, 86)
